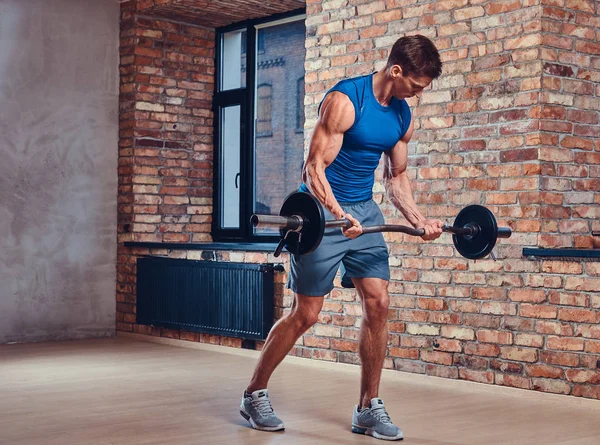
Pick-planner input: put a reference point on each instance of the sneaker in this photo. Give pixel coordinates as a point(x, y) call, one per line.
point(256, 408)
point(375, 421)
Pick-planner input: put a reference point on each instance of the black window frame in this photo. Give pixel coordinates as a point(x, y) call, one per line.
point(300, 116)
point(245, 97)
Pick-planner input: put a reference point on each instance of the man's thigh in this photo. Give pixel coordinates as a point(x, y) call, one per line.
point(367, 255)
point(313, 274)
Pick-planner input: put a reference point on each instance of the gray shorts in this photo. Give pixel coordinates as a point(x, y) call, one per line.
point(363, 257)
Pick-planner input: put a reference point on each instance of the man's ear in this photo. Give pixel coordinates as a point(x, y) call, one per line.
point(396, 71)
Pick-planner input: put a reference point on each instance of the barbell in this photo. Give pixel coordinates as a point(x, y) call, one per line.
point(301, 223)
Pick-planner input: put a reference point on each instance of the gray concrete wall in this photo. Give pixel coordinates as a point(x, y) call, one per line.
point(58, 168)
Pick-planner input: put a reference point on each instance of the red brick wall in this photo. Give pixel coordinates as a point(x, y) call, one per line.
point(569, 117)
point(166, 156)
point(165, 173)
point(512, 124)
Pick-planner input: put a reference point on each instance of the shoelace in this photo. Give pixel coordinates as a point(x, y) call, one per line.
point(381, 414)
point(263, 406)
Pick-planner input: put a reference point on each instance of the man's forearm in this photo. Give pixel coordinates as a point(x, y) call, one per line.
point(400, 193)
point(317, 183)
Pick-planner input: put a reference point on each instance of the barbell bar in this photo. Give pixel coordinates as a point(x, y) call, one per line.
point(295, 223)
point(301, 223)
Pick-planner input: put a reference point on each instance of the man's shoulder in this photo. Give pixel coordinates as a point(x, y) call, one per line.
point(353, 87)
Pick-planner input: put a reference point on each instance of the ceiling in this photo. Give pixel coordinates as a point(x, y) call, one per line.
point(216, 13)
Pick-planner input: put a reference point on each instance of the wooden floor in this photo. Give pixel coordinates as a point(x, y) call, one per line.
point(131, 392)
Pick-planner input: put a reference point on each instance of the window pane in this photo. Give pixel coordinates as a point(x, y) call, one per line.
point(264, 115)
point(230, 167)
point(233, 60)
point(279, 145)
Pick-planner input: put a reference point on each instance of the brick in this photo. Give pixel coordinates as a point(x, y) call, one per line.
point(407, 353)
point(532, 340)
point(485, 350)
point(432, 304)
point(327, 331)
point(579, 315)
point(409, 366)
point(590, 391)
point(544, 371)
point(418, 11)
point(476, 376)
point(559, 358)
point(569, 299)
point(444, 318)
point(442, 358)
point(468, 13)
point(553, 386)
point(587, 47)
point(344, 345)
point(409, 341)
point(565, 344)
point(497, 337)
point(470, 362)
point(416, 329)
point(528, 295)
point(457, 332)
point(514, 381)
point(486, 293)
point(498, 308)
point(345, 320)
point(522, 42)
point(446, 5)
point(537, 311)
point(449, 345)
point(484, 77)
point(478, 320)
point(592, 347)
point(506, 367)
point(519, 354)
point(583, 376)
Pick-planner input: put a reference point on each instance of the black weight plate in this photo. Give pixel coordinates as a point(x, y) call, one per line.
point(481, 245)
point(305, 205)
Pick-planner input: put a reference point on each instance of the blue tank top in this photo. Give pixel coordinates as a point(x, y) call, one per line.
point(376, 129)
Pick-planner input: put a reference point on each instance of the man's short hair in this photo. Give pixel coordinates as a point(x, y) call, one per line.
point(416, 55)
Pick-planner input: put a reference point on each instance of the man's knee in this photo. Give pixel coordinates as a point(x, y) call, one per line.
point(377, 308)
point(376, 303)
point(306, 311)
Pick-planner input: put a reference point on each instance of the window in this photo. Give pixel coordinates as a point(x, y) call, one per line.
point(264, 115)
point(259, 139)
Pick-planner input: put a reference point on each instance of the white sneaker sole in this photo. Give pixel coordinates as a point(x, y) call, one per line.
point(370, 432)
point(246, 416)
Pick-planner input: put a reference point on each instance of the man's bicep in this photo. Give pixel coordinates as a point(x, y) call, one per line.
point(397, 159)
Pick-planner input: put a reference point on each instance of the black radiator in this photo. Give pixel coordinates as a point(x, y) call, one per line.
point(230, 299)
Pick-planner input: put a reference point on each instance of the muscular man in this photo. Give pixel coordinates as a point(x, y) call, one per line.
point(359, 120)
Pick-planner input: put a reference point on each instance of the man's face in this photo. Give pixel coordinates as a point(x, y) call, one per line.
point(409, 85)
